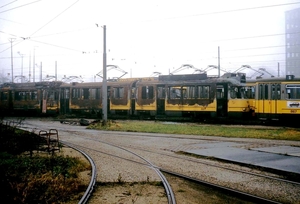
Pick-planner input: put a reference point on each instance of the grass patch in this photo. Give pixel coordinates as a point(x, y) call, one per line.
point(36, 178)
point(39, 179)
point(203, 130)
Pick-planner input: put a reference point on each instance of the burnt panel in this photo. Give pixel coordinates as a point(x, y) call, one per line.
point(119, 95)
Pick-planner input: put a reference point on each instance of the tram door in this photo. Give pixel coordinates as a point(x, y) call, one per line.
point(222, 99)
point(44, 101)
point(160, 100)
point(269, 94)
point(64, 101)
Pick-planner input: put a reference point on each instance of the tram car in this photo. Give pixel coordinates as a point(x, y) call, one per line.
point(195, 96)
point(241, 100)
point(192, 96)
point(30, 98)
point(278, 99)
point(80, 98)
point(85, 99)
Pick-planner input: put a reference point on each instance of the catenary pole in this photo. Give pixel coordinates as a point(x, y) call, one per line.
point(219, 66)
point(104, 83)
point(11, 40)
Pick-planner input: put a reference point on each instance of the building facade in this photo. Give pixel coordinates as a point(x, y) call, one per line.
point(292, 41)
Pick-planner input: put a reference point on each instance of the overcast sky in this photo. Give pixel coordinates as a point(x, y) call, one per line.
point(142, 36)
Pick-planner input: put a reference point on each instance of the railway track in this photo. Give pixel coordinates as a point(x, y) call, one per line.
point(168, 189)
point(239, 194)
point(114, 139)
point(171, 197)
point(88, 193)
point(205, 162)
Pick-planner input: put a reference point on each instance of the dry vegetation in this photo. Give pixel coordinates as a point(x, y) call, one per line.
point(30, 177)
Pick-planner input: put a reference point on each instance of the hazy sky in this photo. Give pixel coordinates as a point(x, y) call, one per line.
point(142, 36)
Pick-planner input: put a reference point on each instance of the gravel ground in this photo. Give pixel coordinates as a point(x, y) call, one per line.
point(123, 178)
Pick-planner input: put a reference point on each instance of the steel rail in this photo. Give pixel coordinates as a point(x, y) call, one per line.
point(223, 167)
point(250, 197)
point(84, 199)
point(217, 166)
point(168, 189)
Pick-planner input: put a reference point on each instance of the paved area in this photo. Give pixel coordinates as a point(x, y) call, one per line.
point(282, 158)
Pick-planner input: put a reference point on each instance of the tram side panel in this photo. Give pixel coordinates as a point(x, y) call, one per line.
point(5, 101)
point(241, 100)
point(81, 99)
point(190, 100)
point(289, 105)
point(146, 96)
point(278, 100)
point(122, 100)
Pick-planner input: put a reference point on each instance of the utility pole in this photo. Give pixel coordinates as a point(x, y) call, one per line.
point(55, 70)
point(29, 74)
point(11, 40)
point(41, 72)
point(219, 68)
point(33, 70)
point(22, 55)
point(104, 82)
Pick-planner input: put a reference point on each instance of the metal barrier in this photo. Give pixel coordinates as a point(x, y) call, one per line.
point(48, 141)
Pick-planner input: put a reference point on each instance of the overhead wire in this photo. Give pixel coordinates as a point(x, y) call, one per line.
point(20, 6)
point(211, 13)
point(54, 18)
point(8, 4)
point(226, 11)
point(46, 23)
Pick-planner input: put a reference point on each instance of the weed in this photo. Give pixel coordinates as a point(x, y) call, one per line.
point(120, 178)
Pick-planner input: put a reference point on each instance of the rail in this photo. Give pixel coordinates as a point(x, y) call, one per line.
point(92, 183)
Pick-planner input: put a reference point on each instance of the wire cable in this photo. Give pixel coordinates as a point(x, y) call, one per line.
point(20, 6)
point(225, 11)
point(8, 4)
point(54, 18)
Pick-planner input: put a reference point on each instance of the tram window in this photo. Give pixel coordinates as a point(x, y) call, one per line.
point(17, 96)
point(20, 96)
point(263, 91)
point(189, 92)
point(278, 91)
point(34, 95)
point(260, 92)
point(266, 91)
point(249, 92)
point(92, 94)
point(67, 93)
point(275, 92)
point(76, 93)
point(95, 93)
point(161, 93)
point(174, 92)
point(51, 95)
point(236, 92)
point(203, 92)
point(4, 96)
point(147, 92)
point(220, 93)
point(86, 93)
point(293, 91)
point(118, 92)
